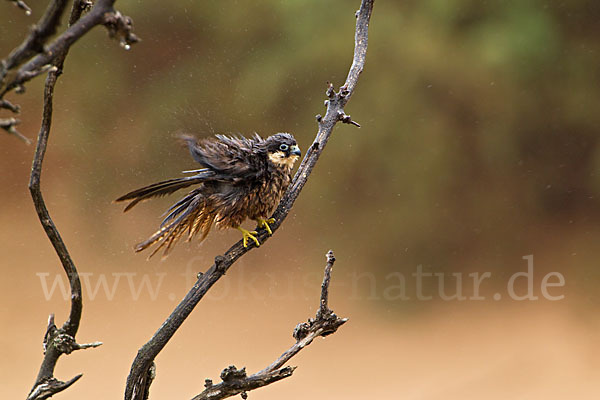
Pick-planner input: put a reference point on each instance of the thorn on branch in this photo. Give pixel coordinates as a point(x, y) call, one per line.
point(21, 4)
point(318, 117)
point(121, 27)
point(346, 119)
point(9, 124)
point(330, 92)
point(87, 345)
point(66, 344)
point(9, 106)
point(49, 387)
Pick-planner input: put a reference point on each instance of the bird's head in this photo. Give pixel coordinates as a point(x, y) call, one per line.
point(282, 149)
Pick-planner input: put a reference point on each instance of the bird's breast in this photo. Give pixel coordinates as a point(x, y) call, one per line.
point(272, 189)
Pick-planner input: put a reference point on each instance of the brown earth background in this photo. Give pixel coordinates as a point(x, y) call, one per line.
point(478, 147)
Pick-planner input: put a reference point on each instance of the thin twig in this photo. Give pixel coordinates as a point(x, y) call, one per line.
point(9, 106)
point(325, 285)
point(102, 13)
point(137, 385)
point(33, 57)
point(9, 125)
point(70, 327)
point(34, 42)
point(57, 341)
point(50, 387)
point(21, 4)
point(236, 381)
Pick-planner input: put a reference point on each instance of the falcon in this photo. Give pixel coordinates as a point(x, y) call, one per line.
point(240, 179)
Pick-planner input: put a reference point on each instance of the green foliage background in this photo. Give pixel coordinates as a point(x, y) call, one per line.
point(479, 138)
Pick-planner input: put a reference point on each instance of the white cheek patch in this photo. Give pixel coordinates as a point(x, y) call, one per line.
point(279, 158)
point(291, 160)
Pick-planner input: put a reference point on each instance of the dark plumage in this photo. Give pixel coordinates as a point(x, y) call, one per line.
point(241, 178)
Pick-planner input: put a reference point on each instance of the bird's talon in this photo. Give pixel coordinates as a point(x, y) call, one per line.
point(246, 234)
point(264, 223)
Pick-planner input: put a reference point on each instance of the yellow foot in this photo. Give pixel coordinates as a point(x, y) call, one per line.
point(264, 223)
point(248, 234)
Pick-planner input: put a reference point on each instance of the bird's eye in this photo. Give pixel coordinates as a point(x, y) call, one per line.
point(284, 147)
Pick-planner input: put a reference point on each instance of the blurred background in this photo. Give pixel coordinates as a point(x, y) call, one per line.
point(478, 147)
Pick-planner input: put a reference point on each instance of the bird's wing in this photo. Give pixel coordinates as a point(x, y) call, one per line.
point(166, 187)
point(231, 158)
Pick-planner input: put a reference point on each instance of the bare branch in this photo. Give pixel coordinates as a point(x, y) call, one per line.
point(325, 322)
point(9, 106)
point(101, 13)
point(9, 124)
point(33, 57)
point(21, 4)
point(235, 381)
point(50, 387)
point(57, 341)
point(325, 285)
point(34, 43)
point(137, 385)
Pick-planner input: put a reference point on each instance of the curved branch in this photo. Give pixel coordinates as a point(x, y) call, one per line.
point(137, 385)
point(236, 381)
point(42, 388)
point(57, 341)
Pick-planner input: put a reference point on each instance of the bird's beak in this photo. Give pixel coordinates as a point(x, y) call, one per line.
point(295, 150)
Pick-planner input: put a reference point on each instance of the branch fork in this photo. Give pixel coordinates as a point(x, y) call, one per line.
point(56, 342)
point(235, 381)
point(32, 58)
point(37, 55)
point(62, 341)
point(49, 387)
point(137, 387)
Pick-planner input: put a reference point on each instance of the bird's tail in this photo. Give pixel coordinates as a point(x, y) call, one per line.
point(163, 188)
point(191, 214)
